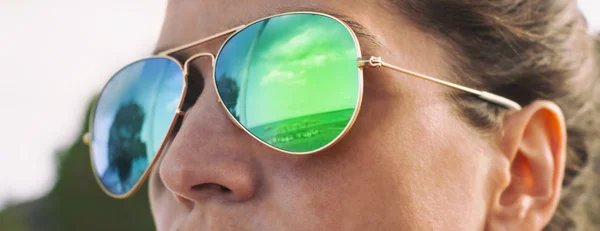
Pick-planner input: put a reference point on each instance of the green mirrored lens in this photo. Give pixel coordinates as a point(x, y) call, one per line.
point(291, 80)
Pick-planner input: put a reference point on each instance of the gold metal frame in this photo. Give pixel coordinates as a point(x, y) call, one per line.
point(358, 101)
point(361, 64)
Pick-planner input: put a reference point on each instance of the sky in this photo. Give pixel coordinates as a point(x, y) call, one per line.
point(56, 55)
point(290, 85)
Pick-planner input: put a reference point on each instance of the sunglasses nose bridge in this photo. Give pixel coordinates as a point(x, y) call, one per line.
point(212, 61)
point(186, 65)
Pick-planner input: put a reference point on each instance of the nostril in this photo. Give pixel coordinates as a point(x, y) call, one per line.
point(211, 188)
point(225, 189)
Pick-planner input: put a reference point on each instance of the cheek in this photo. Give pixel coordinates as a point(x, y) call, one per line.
point(396, 168)
point(165, 209)
point(158, 205)
point(435, 165)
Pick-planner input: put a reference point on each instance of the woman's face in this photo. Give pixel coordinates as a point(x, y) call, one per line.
point(409, 163)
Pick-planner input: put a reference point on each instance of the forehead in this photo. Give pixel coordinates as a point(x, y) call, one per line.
point(187, 20)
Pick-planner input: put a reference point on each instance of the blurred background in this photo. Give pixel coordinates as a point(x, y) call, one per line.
point(55, 57)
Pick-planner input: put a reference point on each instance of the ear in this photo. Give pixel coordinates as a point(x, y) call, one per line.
point(533, 141)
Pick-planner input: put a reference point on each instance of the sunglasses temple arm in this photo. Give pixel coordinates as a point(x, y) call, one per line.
point(490, 97)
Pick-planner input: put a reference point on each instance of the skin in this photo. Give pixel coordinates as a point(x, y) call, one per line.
point(409, 163)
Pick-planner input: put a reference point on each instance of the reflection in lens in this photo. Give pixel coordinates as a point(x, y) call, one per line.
point(291, 80)
point(124, 143)
point(132, 117)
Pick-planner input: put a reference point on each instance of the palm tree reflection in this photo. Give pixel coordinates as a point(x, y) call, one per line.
point(125, 144)
point(229, 91)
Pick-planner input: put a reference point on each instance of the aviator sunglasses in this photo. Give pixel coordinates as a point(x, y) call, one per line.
point(293, 82)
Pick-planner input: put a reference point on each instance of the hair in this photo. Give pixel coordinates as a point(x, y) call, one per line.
point(526, 50)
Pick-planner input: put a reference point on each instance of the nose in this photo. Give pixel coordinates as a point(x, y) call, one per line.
point(209, 158)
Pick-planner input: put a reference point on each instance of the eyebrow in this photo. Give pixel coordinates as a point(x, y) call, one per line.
point(358, 29)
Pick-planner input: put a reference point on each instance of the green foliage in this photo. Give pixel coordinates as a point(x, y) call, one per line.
point(77, 203)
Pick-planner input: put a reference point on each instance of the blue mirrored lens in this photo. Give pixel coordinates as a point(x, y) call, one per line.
point(131, 119)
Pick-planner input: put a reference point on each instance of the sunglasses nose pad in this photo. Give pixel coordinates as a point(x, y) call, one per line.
point(191, 59)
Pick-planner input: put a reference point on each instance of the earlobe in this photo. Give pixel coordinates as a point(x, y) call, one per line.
point(534, 143)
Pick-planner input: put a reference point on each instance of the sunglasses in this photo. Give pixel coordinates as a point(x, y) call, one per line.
point(293, 82)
